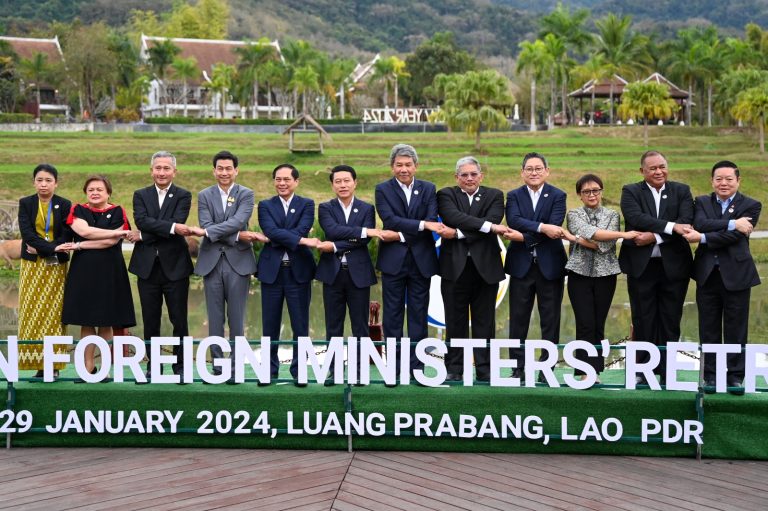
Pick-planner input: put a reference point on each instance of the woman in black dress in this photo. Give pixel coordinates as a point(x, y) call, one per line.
point(97, 294)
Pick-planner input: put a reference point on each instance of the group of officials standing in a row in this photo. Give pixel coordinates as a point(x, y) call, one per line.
point(661, 219)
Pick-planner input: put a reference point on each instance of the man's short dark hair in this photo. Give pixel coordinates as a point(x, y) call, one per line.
point(725, 164)
point(294, 170)
point(534, 155)
point(46, 167)
point(588, 178)
point(650, 153)
point(224, 155)
point(343, 168)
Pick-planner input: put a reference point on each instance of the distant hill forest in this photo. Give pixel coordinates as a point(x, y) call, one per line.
point(485, 28)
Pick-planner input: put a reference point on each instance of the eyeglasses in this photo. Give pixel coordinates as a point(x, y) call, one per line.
point(468, 175)
point(534, 170)
point(594, 192)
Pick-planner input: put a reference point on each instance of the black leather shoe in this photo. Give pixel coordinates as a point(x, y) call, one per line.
point(735, 388)
point(709, 385)
point(640, 380)
point(453, 377)
point(518, 372)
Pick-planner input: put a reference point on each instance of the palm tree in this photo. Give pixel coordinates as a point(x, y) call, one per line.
point(222, 78)
point(161, 55)
point(732, 83)
point(535, 60)
point(253, 57)
point(275, 75)
point(304, 81)
point(298, 54)
point(622, 49)
point(646, 100)
point(185, 70)
point(384, 71)
point(342, 69)
point(35, 70)
point(560, 72)
point(595, 70)
point(687, 61)
point(752, 106)
point(568, 26)
point(473, 101)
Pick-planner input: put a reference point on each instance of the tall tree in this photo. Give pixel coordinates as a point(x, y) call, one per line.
point(275, 75)
point(535, 60)
point(304, 81)
point(252, 58)
point(9, 79)
point(732, 83)
point(568, 26)
point(752, 106)
point(558, 75)
point(90, 63)
point(35, 71)
point(623, 49)
point(222, 79)
point(161, 56)
point(388, 71)
point(440, 54)
point(473, 101)
point(595, 69)
point(646, 100)
point(185, 70)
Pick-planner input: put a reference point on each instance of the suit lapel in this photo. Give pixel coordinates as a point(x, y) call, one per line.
point(398, 191)
point(231, 200)
point(541, 205)
point(170, 197)
point(663, 200)
point(526, 204)
point(477, 202)
point(733, 206)
point(415, 197)
point(647, 194)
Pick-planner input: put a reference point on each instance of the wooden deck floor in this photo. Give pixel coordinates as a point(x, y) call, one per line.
point(170, 479)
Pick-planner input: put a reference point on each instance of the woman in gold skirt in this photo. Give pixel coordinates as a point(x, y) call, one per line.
point(42, 222)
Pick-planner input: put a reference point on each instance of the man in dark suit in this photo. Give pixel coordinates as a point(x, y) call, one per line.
point(470, 263)
point(226, 261)
point(347, 272)
point(535, 256)
point(724, 270)
point(286, 264)
point(657, 262)
point(160, 257)
point(407, 258)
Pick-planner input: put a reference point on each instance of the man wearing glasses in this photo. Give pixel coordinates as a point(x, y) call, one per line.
point(470, 263)
point(658, 262)
point(535, 256)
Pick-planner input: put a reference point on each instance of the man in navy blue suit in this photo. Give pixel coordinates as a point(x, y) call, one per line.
point(347, 272)
point(286, 266)
point(407, 257)
point(535, 256)
point(724, 270)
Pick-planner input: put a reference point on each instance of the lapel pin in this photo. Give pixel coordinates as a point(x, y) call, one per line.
point(230, 200)
point(354, 210)
point(170, 195)
point(109, 215)
point(416, 192)
point(730, 210)
point(293, 210)
point(56, 206)
point(663, 196)
point(477, 199)
point(546, 195)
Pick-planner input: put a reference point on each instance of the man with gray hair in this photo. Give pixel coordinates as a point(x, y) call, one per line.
point(160, 258)
point(407, 258)
point(470, 263)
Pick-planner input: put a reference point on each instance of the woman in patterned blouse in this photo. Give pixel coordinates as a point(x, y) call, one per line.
point(592, 265)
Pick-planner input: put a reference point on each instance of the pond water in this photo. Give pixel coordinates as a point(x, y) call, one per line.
point(617, 326)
